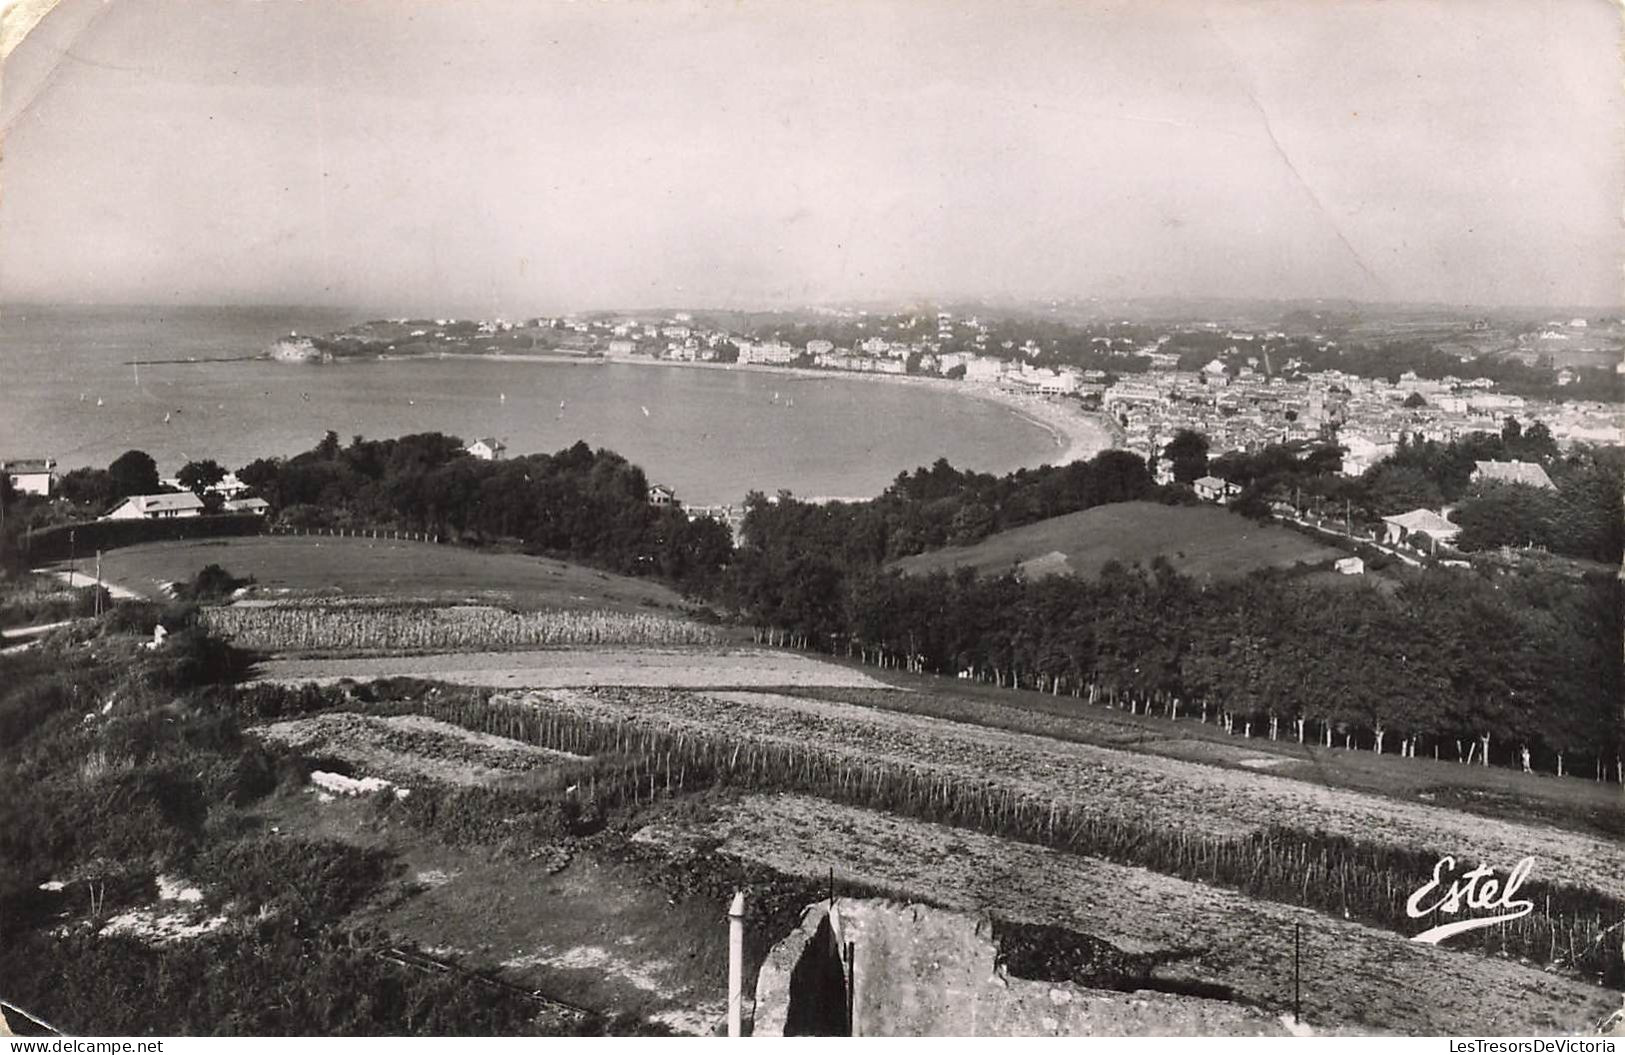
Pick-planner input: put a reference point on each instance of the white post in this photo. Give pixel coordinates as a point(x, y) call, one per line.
point(736, 961)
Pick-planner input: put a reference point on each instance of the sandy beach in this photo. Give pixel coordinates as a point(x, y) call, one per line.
point(1079, 434)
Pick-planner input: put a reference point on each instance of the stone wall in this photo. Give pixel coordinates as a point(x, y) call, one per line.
point(921, 971)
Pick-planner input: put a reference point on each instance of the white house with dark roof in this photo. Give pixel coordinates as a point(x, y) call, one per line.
point(257, 506)
point(158, 507)
point(30, 476)
point(1215, 489)
point(488, 448)
point(1402, 526)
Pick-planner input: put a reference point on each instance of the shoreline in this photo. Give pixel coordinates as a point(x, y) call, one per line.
point(1078, 434)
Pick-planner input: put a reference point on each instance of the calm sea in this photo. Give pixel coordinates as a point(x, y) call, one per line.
point(711, 434)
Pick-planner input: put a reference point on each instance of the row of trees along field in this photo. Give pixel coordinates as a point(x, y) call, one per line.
point(1580, 517)
point(1445, 665)
point(587, 505)
point(580, 503)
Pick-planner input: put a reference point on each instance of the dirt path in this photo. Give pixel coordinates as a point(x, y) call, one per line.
point(79, 579)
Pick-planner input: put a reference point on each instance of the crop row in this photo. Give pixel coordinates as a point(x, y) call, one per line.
point(320, 628)
point(1173, 794)
point(1367, 881)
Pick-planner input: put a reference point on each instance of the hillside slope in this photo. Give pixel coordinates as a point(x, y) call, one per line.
point(1200, 541)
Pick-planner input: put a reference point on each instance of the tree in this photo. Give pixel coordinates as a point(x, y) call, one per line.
point(1508, 515)
point(1415, 400)
point(1394, 489)
point(972, 524)
point(197, 477)
point(92, 488)
point(133, 473)
point(264, 476)
point(1188, 451)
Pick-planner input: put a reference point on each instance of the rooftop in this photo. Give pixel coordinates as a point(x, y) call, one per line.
point(1514, 472)
point(1423, 520)
point(28, 465)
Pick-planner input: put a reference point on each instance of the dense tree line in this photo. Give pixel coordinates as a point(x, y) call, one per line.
point(1459, 665)
point(580, 503)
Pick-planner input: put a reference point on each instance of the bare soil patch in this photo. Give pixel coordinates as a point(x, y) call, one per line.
point(594, 932)
point(411, 747)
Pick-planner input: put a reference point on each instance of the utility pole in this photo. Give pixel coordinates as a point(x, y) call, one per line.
point(1297, 974)
point(736, 962)
point(98, 582)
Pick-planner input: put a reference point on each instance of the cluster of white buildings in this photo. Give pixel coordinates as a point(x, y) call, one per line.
point(1246, 410)
point(37, 476)
point(179, 503)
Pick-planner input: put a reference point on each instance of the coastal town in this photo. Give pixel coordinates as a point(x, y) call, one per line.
point(1311, 383)
point(1242, 389)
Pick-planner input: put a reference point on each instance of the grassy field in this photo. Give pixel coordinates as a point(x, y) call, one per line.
point(358, 567)
point(1200, 541)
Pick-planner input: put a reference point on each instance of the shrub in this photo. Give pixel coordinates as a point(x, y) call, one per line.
point(193, 657)
point(254, 775)
point(214, 583)
point(132, 617)
point(314, 882)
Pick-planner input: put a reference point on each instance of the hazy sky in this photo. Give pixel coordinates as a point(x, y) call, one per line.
point(536, 156)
